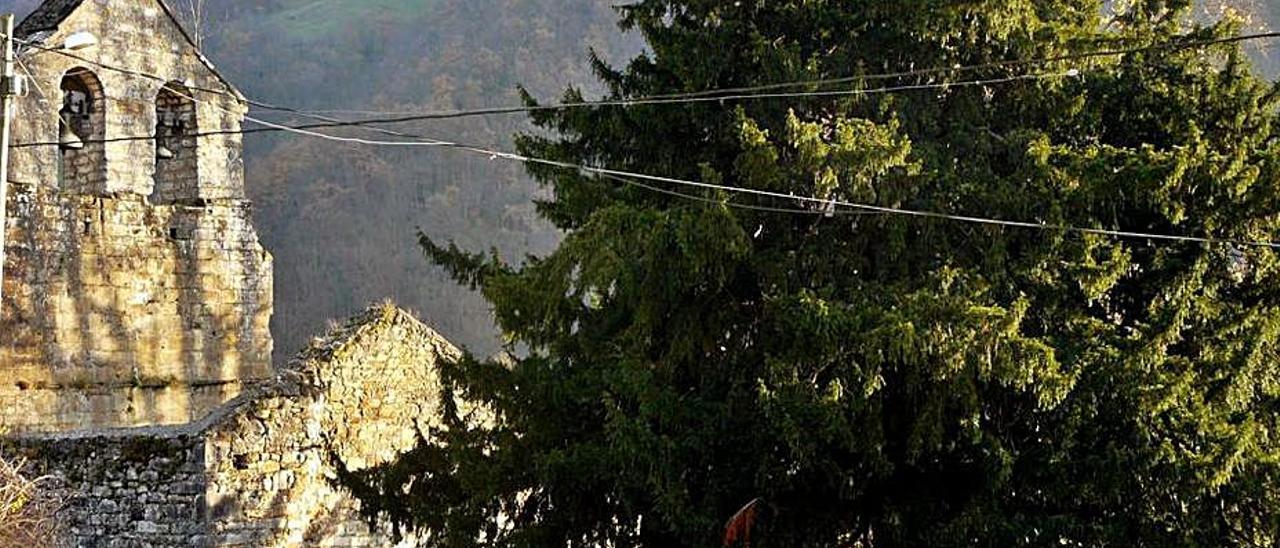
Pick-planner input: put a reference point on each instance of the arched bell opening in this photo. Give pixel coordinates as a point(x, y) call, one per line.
point(177, 172)
point(82, 163)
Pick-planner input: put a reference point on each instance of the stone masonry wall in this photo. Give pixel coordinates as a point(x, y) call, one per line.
point(124, 491)
point(366, 393)
point(120, 313)
point(122, 307)
point(259, 471)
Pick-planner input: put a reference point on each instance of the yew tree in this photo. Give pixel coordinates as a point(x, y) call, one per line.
point(709, 367)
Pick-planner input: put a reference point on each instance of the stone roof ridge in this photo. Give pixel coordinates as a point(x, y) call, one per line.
point(50, 14)
point(47, 16)
point(339, 339)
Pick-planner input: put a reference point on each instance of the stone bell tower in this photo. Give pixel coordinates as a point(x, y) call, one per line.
point(136, 291)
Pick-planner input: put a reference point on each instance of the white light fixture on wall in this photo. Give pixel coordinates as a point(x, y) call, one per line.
point(79, 41)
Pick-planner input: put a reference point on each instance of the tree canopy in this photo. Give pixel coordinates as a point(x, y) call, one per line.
point(853, 378)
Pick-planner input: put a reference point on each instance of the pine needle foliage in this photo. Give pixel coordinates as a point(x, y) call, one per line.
point(880, 380)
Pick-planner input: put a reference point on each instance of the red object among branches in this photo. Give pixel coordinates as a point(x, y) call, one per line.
point(739, 526)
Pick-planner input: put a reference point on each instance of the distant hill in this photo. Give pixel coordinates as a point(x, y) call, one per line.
point(341, 219)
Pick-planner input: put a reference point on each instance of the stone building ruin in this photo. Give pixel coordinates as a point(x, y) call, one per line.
point(259, 470)
point(135, 349)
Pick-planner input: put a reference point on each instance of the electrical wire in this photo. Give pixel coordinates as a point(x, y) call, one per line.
point(828, 203)
point(446, 115)
point(369, 123)
point(829, 212)
point(870, 207)
point(229, 92)
point(719, 94)
point(737, 93)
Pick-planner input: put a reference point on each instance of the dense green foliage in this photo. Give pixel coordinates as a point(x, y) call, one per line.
point(883, 379)
point(315, 199)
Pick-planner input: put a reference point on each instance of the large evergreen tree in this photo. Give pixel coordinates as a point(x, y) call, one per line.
point(882, 379)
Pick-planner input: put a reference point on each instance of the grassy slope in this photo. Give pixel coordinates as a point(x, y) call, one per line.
point(310, 21)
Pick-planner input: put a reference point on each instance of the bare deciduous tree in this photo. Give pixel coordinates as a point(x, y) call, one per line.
point(193, 13)
point(27, 508)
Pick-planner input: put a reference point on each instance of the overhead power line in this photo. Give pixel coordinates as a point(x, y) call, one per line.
point(749, 92)
point(123, 70)
point(371, 124)
point(709, 95)
point(1193, 44)
point(426, 141)
point(451, 114)
point(829, 205)
point(867, 207)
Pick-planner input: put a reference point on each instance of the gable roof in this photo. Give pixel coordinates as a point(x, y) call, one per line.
point(365, 327)
point(47, 16)
point(50, 14)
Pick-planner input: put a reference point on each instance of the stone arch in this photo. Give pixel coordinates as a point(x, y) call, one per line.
point(82, 127)
point(177, 174)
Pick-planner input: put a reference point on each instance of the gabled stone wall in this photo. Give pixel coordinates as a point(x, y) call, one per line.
point(363, 395)
point(123, 306)
point(260, 470)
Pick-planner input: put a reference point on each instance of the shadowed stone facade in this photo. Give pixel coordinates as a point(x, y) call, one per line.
point(135, 288)
point(258, 471)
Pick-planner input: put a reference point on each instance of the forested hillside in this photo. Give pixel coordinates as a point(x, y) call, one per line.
point(341, 219)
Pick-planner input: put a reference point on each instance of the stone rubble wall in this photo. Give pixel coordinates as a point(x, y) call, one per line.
point(124, 491)
point(270, 479)
point(365, 394)
point(260, 470)
point(117, 312)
